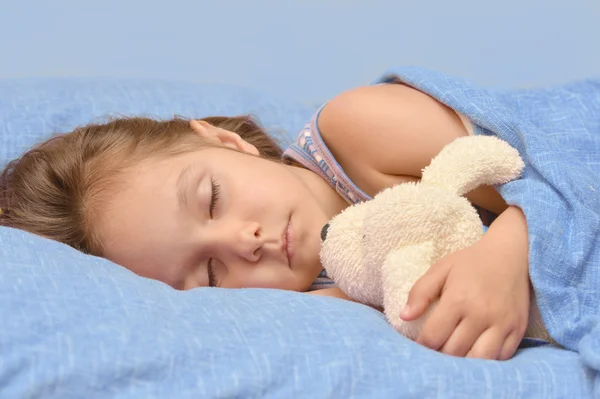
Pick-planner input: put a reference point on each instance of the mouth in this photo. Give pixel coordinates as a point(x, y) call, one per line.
point(288, 237)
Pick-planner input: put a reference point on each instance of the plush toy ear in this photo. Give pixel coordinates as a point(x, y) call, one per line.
point(472, 161)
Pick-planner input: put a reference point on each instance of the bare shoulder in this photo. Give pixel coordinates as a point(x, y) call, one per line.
point(386, 134)
point(386, 130)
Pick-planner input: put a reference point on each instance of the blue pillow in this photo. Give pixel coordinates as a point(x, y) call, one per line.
point(31, 109)
point(77, 326)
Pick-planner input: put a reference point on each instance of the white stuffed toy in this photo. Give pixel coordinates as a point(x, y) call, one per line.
point(376, 250)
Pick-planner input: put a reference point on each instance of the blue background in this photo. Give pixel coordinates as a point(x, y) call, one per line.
point(304, 49)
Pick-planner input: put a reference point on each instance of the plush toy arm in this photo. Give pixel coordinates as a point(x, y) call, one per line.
point(402, 268)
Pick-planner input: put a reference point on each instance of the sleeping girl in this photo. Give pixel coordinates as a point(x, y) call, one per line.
point(215, 202)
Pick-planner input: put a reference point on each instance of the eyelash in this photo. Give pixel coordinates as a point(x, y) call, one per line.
point(212, 277)
point(215, 188)
point(214, 197)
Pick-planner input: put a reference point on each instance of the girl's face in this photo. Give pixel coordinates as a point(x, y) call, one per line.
point(219, 217)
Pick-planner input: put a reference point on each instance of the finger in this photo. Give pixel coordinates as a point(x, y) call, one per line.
point(511, 344)
point(488, 345)
point(426, 290)
point(439, 327)
point(463, 338)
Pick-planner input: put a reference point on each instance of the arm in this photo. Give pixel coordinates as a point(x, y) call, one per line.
point(336, 293)
point(386, 135)
point(507, 237)
point(332, 292)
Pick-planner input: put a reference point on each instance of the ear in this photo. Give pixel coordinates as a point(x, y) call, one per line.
point(222, 136)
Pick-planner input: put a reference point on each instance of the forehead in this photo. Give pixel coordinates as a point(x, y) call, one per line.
point(144, 203)
point(153, 190)
point(182, 182)
point(142, 228)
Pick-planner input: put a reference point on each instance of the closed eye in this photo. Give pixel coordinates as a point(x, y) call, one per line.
point(214, 197)
point(212, 276)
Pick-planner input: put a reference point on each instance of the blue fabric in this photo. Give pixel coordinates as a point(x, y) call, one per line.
point(76, 326)
point(557, 132)
point(37, 107)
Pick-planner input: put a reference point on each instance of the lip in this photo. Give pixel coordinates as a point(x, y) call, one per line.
point(288, 241)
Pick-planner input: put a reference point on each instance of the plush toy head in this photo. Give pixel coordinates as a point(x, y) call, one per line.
point(375, 251)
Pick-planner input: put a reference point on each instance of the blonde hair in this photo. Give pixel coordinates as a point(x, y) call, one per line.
point(56, 188)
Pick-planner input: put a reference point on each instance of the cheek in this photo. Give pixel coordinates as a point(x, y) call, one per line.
point(270, 177)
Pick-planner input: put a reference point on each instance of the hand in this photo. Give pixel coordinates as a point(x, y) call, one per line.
point(485, 294)
point(484, 305)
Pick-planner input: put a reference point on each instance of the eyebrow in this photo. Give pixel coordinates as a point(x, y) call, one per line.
point(181, 185)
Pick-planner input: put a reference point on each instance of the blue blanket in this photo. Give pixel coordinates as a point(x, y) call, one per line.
point(557, 132)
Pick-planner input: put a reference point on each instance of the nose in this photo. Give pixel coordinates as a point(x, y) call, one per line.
point(244, 240)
